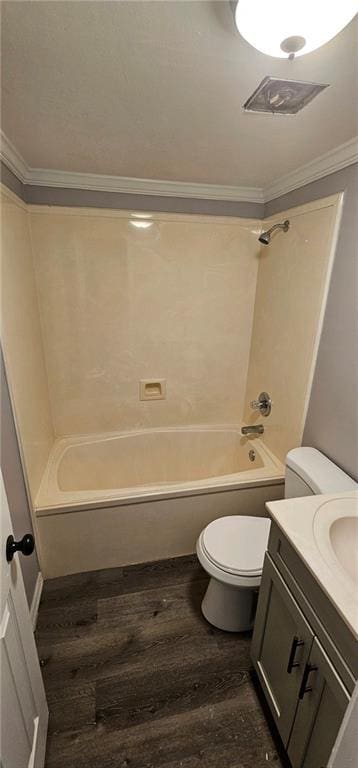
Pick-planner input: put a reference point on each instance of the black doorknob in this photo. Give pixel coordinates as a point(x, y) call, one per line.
point(26, 545)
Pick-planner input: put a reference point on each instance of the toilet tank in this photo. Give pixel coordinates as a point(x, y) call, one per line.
point(309, 472)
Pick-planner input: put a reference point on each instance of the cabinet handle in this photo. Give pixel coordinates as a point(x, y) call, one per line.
point(304, 687)
point(296, 642)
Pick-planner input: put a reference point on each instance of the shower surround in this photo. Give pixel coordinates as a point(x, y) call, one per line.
point(119, 304)
point(97, 301)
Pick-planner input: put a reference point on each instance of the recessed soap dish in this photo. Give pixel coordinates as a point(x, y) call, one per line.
point(152, 389)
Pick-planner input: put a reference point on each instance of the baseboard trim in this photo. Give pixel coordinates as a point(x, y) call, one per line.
point(35, 602)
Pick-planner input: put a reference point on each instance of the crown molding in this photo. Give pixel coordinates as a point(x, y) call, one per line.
point(332, 161)
point(338, 158)
point(131, 186)
point(12, 158)
point(134, 186)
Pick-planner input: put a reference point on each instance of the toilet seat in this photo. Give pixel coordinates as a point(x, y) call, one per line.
point(237, 544)
point(232, 549)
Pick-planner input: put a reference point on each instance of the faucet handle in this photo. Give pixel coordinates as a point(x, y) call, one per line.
point(255, 405)
point(262, 404)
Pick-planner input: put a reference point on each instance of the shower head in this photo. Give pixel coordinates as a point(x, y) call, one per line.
point(265, 237)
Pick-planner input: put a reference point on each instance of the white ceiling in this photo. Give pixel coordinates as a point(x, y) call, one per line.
point(155, 90)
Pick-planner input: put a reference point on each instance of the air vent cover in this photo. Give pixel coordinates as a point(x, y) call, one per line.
point(283, 97)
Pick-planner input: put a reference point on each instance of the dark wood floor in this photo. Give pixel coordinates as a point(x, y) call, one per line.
point(135, 677)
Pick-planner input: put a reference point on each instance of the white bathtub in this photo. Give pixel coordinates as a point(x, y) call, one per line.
point(115, 499)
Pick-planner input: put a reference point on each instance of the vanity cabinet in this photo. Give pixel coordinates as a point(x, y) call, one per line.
point(298, 666)
point(322, 703)
point(280, 648)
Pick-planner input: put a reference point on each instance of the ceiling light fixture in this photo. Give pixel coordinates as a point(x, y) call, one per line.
point(141, 224)
point(142, 215)
point(290, 28)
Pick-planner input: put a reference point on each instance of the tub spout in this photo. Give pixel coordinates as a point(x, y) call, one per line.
point(254, 429)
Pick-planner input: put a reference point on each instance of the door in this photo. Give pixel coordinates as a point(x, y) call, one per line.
point(24, 712)
point(323, 701)
point(280, 648)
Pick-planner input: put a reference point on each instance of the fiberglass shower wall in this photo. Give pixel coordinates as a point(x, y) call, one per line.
point(93, 305)
point(118, 304)
point(292, 286)
point(22, 341)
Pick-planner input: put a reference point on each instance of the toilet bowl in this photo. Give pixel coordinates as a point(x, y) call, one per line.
point(231, 550)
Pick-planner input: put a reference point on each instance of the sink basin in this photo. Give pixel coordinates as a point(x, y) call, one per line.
point(335, 528)
point(324, 532)
point(343, 534)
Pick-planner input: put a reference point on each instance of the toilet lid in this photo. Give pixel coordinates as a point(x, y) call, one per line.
point(237, 544)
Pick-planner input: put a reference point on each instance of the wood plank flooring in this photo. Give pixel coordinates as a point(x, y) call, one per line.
point(136, 678)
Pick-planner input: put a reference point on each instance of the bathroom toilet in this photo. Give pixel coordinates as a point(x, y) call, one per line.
point(231, 549)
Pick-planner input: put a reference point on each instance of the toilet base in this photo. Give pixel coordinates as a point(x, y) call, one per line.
point(229, 608)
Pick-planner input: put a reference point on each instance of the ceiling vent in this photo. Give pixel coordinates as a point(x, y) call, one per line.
point(282, 97)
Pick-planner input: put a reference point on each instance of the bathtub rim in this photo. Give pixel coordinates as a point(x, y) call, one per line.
point(271, 473)
point(165, 495)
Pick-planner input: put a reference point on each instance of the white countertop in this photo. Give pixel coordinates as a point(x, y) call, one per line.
point(309, 534)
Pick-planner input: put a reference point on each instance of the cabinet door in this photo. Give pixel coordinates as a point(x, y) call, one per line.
point(280, 648)
point(323, 700)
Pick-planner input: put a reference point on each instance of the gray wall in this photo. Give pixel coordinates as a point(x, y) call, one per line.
point(332, 418)
point(11, 181)
point(15, 486)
